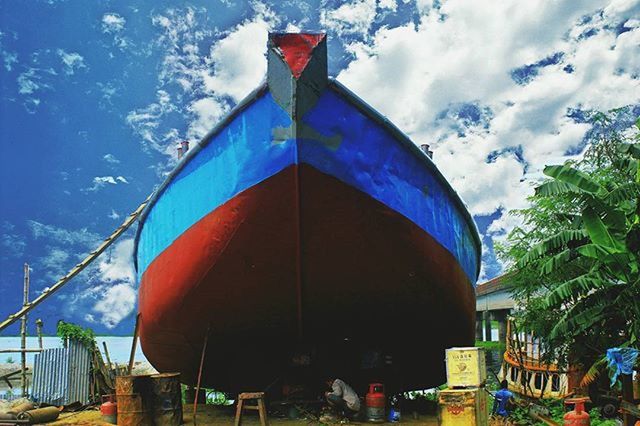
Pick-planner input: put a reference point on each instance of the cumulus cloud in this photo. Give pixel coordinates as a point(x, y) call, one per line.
point(71, 62)
point(490, 87)
point(102, 181)
point(116, 280)
point(112, 23)
point(117, 303)
point(212, 80)
point(111, 159)
point(238, 60)
point(354, 17)
point(9, 59)
point(207, 112)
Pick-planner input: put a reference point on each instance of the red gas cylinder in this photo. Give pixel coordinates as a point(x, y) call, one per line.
point(375, 402)
point(578, 416)
point(109, 409)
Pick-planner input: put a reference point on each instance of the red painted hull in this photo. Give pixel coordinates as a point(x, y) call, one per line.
point(302, 258)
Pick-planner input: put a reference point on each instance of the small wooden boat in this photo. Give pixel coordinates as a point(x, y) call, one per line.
point(528, 374)
point(305, 229)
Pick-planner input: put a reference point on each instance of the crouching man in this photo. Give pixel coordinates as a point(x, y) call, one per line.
point(342, 398)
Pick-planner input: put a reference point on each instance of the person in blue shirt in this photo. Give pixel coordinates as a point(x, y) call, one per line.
point(503, 398)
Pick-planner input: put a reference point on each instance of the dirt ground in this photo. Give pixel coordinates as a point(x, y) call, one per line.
point(212, 415)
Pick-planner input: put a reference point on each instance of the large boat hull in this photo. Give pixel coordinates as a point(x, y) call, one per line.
point(370, 276)
point(305, 230)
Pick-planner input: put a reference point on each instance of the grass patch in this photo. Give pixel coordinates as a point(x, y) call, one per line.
point(490, 346)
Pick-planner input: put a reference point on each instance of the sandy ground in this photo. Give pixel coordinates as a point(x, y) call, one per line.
point(211, 415)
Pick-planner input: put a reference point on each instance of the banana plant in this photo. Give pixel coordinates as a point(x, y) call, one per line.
point(601, 246)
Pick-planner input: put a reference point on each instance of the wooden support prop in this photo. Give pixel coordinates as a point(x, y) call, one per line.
point(132, 356)
point(77, 269)
point(204, 350)
point(106, 354)
point(39, 332)
point(8, 351)
point(23, 331)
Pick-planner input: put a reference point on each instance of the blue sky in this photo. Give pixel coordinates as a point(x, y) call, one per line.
point(95, 95)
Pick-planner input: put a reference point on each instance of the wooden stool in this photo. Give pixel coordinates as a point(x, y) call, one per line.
point(259, 397)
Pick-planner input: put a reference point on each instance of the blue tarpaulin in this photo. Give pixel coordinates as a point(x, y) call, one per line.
point(621, 360)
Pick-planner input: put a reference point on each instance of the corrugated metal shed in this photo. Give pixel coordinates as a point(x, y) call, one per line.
point(61, 375)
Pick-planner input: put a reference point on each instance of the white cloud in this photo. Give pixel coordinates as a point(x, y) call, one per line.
point(117, 303)
point(59, 235)
point(465, 54)
point(238, 60)
point(354, 17)
point(114, 215)
point(118, 265)
point(145, 121)
point(211, 81)
point(13, 244)
point(29, 82)
point(112, 23)
point(71, 61)
point(9, 59)
point(102, 181)
point(116, 276)
point(208, 112)
point(111, 159)
point(392, 5)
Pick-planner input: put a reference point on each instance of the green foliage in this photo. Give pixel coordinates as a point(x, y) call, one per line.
point(69, 331)
point(576, 258)
point(557, 410)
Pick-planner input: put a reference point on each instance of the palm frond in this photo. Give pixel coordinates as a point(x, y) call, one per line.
point(594, 372)
point(575, 287)
point(562, 239)
point(570, 175)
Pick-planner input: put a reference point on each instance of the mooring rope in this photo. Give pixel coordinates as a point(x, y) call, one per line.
point(76, 269)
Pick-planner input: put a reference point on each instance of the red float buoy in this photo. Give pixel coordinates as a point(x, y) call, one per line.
point(578, 416)
point(375, 402)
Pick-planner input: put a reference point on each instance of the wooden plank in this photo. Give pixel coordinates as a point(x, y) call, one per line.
point(132, 356)
point(77, 269)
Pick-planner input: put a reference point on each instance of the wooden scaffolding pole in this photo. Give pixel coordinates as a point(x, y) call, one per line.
point(39, 331)
point(204, 351)
point(132, 356)
point(23, 331)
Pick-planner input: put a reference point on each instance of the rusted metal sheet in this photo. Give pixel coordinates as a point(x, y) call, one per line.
point(61, 375)
point(133, 394)
point(167, 399)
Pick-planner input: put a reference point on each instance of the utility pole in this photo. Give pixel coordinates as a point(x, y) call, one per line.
point(23, 330)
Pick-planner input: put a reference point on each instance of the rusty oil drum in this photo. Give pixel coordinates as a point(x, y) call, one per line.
point(133, 394)
point(166, 399)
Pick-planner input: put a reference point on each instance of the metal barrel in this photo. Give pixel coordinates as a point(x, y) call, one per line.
point(167, 399)
point(24, 406)
point(133, 394)
point(40, 415)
